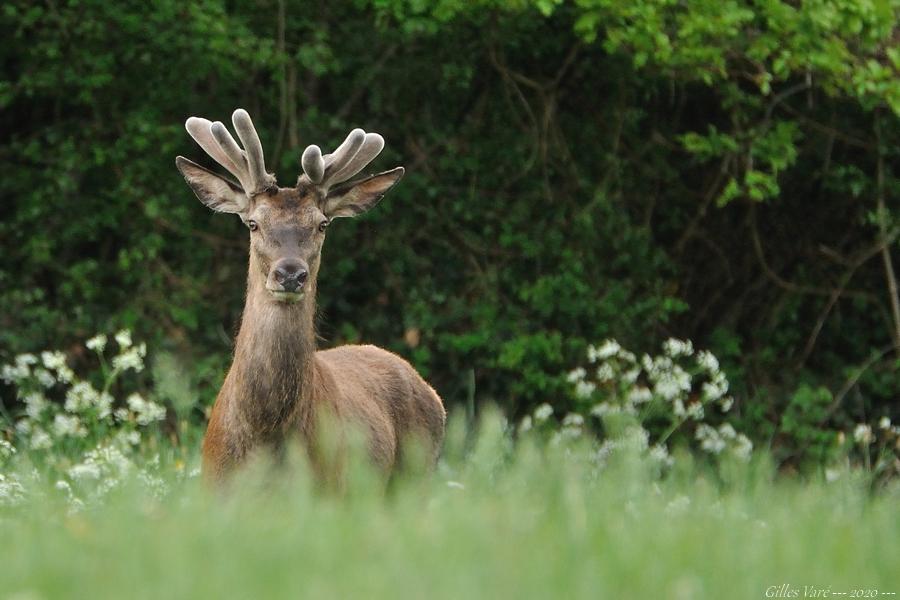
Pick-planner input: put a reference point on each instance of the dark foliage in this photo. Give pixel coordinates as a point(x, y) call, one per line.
point(576, 171)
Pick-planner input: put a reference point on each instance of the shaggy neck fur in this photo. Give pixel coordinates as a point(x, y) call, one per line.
point(273, 365)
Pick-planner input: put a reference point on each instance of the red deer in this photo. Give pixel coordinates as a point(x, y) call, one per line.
point(279, 386)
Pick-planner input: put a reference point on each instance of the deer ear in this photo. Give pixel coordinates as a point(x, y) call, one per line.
point(215, 191)
point(356, 197)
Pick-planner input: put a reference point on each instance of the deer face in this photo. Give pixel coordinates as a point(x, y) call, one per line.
point(287, 225)
point(287, 229)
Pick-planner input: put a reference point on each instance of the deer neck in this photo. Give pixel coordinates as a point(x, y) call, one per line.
point(273, 365)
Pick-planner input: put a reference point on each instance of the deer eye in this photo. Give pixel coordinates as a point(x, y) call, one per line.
point(323, 225)
point(252, 225)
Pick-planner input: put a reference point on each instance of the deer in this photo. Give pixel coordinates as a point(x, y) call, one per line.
point(279, 386)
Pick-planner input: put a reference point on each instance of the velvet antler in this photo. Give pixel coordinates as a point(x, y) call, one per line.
point(351, 157)
point(248, 165)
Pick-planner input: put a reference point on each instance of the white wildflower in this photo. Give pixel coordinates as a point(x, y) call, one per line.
point(716, 388)
point(103, 404)
point(154, 484)
point(121, 415)
point(727, 431)
point(35, 405)
point(832, 475)
point(128, 438)
point(145, 411)
point(53, 360)
point(605, 408)
point(6, 449)
point(88, 470)
point(584, 389)
point(14, 374)
point(606, 350)
point(671, 382)
point(112, 458)
point(708, 361)
point(605, 372)
point(104, 464)
point(576, 375)
point(605, 451)
point(123, 338)
point(675, 348)
point(695, 410)
point(678, 408)
point(863, 434)
point(45, 378)
point(68, 425)
point(20, 371)
point(26, 360)
point(634, 437)
point(726, 403)
point(131, 359)
point(40, 440)
point(710, 439)
point(639, 395)
point(80, 397)
point(128, 360)
point(23, 427)
point(631, 375)
point(65, 374)
point(97, 343)
point(743, 447)
point(525, 424)
point(884, 423)
point(12, 492)
point(660, 454)
point(543, 412)
point(567, 433)
point(573, 420)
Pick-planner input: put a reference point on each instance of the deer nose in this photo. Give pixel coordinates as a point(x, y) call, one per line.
point(290, 275)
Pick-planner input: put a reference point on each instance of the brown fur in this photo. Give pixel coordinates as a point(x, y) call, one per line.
point(279, 386)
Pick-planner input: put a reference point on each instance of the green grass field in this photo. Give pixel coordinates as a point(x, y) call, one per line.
point(496, 520)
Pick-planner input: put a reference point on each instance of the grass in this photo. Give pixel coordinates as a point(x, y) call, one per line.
point(531, 521)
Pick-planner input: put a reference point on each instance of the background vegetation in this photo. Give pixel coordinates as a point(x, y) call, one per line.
point(657, 235)
point(724, 172)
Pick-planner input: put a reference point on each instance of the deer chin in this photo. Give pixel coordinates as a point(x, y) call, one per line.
point(287, 297)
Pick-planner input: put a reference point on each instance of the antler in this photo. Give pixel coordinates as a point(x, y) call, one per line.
point(358, 150)
point(248, 165)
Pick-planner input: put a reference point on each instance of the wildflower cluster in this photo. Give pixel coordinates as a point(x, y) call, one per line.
point(69, 428)
point(874, 447)
point(640, 403)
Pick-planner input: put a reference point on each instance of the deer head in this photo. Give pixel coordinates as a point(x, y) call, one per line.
point(287, 225)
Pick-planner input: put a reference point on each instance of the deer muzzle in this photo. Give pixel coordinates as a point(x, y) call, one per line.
point(287, 277)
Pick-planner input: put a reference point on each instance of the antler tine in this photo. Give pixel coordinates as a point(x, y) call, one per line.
point(354, 153)
point(253, 149)
point(233, 151)
point(371, 147)
point(335, 161)
point(313, 164)
point(200, 130)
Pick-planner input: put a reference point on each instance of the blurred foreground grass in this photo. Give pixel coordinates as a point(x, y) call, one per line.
point(496, 520)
